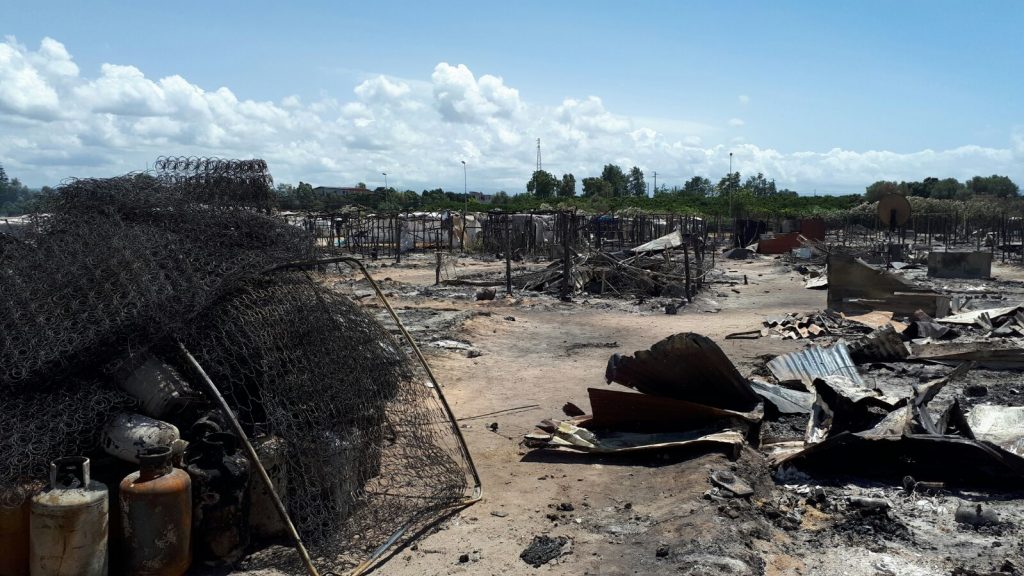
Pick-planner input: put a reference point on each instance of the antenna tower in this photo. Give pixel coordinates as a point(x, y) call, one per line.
point(538, 155)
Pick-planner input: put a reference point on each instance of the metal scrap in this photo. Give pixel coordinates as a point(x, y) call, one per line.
point(881, 345)
point(685, 366)
point(815, 362)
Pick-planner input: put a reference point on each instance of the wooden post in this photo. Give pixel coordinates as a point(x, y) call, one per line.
point(686, 271)
point(437, 267)
point(567, 287)
point(508, 257)
point(398, 238)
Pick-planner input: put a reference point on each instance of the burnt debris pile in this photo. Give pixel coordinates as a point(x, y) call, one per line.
point(114, 279)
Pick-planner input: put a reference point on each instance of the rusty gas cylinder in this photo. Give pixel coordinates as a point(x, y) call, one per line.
point(156, 517)
point(220, 499)
point(14, 512)
point(68, 523)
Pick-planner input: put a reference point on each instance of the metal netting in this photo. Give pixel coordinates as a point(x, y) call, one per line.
point(113, 268)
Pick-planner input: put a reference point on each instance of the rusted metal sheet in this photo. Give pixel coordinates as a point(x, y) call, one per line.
point(632, 411)
point(685, 366)
point(815, 362)
point(857, 287)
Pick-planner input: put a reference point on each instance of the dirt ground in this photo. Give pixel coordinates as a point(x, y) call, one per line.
point(636, 515)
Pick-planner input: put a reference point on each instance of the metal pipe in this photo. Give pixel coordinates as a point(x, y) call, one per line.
point(281, 510)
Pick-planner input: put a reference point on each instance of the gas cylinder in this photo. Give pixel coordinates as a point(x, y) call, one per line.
point(156, 517)
point(264, 519)
point(14, 513)
point(161, 391)
point(128, 434)
point(68, 523)
point(220, 499)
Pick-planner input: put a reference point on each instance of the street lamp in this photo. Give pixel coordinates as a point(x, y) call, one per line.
point(385, 180)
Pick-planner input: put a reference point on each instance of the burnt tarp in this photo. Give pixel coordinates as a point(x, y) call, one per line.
point(960, 264)
point(686, 366)
point(815, 362)
point(855, 287)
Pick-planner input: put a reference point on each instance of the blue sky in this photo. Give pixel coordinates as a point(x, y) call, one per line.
point(825, 96)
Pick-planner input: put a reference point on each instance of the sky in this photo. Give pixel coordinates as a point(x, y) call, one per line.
point(823, 97)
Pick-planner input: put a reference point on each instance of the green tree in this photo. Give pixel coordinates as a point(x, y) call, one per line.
point(882, 188)
point(614, 176)
point(636, 186)
point(567, 189)
point(500, 199)
point(945, 189)
point(729, 185)
point(543, 184)
point(597, 188)
point(759, 186)
point(698, 187)
point(998, 186)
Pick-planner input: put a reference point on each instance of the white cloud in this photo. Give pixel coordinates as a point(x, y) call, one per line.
point(58, 121)
point(460, 97)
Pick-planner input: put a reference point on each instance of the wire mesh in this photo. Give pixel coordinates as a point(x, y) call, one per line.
point(114, 268)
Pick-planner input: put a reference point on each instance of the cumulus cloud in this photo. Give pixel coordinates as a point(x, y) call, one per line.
point(60, 121)
point(460, 97)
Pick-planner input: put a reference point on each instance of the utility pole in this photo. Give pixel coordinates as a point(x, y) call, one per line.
point(538, 155)
point(465, 204)
point(730, 185)
point(385, 181)
point(655, 184)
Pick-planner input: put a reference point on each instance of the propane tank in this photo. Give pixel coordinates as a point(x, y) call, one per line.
point(161, 391)
point(68, 523)
point(14, 512)
point(156, 517)
point(220, 499)
point(128, 434)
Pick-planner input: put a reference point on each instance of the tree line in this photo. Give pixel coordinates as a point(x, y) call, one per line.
point(946, 189)
point(616, 183)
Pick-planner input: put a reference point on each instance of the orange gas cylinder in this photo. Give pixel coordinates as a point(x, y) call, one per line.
point(14, 536)
point(156, 517)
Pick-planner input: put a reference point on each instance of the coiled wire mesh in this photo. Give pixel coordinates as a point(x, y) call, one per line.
point(115, 266)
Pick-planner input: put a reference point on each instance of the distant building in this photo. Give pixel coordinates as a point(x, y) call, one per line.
point(481, 197)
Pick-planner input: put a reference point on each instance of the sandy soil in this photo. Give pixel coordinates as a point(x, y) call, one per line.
point(626, 515)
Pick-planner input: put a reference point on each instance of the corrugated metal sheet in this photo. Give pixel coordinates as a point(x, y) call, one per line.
point(815, 362)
